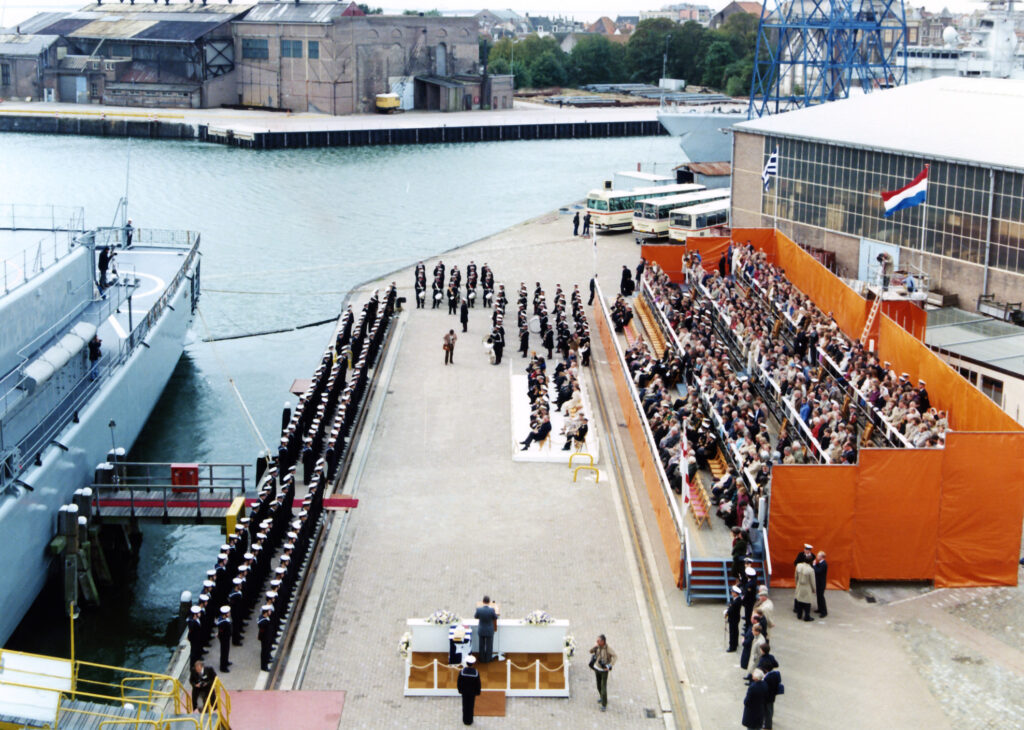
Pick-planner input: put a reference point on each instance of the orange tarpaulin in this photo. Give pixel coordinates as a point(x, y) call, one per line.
point(812, 504)
point(969, 409)
point(907, 315)
point(825, 289)
point(669, 258)
point(982, 503)
point(896, 517)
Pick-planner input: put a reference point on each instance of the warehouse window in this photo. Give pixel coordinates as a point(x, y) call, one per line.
point(993, 389)
point(313, 49)
point(291, 49)
point(255, 48)
point(5, 74)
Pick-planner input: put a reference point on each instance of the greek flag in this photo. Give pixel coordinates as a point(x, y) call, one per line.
point(771, 168)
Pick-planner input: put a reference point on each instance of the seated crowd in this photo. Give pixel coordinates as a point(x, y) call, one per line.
point(561, 388)
point(891, 398)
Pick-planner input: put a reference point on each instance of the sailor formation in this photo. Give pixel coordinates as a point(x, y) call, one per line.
point(316, 442)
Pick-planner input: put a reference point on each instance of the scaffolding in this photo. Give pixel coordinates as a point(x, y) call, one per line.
point(814, 51)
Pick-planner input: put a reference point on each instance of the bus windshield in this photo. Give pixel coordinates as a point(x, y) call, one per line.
point(597, 204)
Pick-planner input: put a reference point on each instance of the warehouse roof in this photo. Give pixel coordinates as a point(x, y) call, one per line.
point(177, 22)
point(307, 12)
point(20, 44)
point(976, 337)
point(975, 120)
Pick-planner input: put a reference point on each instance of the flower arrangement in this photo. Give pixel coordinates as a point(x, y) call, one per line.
point(443, 617)
point(538, 618)
point(570, 646)
point(403, 645)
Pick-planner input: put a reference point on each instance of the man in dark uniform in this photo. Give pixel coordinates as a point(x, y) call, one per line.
point(524, 339)
point(488, 618)
point(464, 314)
point(586, 224)
point(593, 290)
point(498, 343)
point(266, 636)
point(195, 634)
point(236, 603)
point(201, 679)
point(732, 615)
point(224, 636)
point(820, 580)
point(549, 341)
point(469, 688)
point(749, 594)
point(104, 264)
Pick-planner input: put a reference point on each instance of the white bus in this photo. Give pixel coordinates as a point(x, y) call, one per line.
point(700, 220)
point(651, 215)
point(613, 209)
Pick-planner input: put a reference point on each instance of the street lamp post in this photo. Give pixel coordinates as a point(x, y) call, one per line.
point(664, 58)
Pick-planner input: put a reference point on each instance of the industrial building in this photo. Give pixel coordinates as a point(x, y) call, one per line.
point(23, 61)
point(141, 55)
point(317, 56)
point(835, 159)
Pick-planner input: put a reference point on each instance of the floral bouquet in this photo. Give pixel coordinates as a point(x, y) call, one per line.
point(443, 618)
point(403, 645)
point(570, 646)
point(538, 618)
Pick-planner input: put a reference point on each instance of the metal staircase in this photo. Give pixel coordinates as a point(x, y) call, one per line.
point(708, 578)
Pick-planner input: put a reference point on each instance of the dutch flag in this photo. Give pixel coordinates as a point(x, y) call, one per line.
point(771, 168)
point(908, 196)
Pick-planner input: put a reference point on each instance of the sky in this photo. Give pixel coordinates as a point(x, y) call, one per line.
point(14, 11)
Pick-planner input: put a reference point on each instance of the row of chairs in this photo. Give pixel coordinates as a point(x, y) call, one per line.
point(654, 334)
point(700, 502)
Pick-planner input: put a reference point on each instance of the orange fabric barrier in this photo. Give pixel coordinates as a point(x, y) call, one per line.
point(982, 506)
point(969, 409)
point(669, 258)
point(812, 504)
point(896, 522)
point(762, 239)
point(825, 289)
point(655, 493)
point(907, 315)
point(710, 248)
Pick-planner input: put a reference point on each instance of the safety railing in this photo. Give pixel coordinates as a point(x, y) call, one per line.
point(20, 217)
point(678, 513)
point(152, 697)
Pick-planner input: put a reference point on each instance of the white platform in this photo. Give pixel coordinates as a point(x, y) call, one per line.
point(47, 678)
point(551, 452)
point(514, 636)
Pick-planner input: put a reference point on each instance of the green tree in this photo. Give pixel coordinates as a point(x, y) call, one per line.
point(646, 47)
point(719, 56)
point(688, 59)
point(498, 66)
point(740, 29)
point(431, 13)
point(596, 60)
point(548, 70)
point(370, 11)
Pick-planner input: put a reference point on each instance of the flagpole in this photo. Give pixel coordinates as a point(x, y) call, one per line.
point(924, 223)
point(775, 212)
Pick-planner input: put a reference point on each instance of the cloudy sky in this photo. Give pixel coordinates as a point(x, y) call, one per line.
point(14, 11)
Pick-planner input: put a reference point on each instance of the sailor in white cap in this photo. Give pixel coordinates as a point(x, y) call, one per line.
point(732, 617)
point(469, 687)
point(224, 636)
point(195, 634)
point(749, 586)
point(235, 601)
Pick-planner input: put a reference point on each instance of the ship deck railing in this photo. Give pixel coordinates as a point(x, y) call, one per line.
point(14, 458)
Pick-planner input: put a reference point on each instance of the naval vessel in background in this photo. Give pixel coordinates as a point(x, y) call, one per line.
point(61, 411)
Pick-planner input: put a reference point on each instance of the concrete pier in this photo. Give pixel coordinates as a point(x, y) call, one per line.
point(445, 515)
point(252, 129)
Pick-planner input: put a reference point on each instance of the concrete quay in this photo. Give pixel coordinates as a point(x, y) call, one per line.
point(445, 516)
point(255, 129)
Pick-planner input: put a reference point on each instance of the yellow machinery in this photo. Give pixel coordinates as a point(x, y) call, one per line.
point(388, 103)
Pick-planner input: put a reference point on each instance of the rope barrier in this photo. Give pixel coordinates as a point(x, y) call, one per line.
point(231, 380)
point(454, 667)
point(244, 335)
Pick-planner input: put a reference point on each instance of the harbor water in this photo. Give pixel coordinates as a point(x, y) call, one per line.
point(285, 235)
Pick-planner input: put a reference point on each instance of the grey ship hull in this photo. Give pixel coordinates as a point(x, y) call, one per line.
point(29, 522)
point(703, 135)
